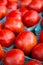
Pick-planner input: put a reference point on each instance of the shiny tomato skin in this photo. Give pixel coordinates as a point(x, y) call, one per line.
point(41, 36)
point(33, 62)
point(6, 37)
point(23, 11)
point(26, 41)
point(36, 5)
point(14, 25)
point(16, 14)
point(25, 3)
point(37, 52)
point(3, 11)
point(31, 18)
point(14, 57)
point(3, 2)
point(1, 52)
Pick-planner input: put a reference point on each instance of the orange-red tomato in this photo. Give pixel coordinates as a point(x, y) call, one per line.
point(14, 25)
point(25, 3)
point(26, 41)
point(12, 4)
point(37, 52)
point(41, 36)
point(3, 2)
point(16, 14)
point(36, 5)
point(33, 62)
point(6, 37)
point(3, 11)
point(31, 18)
point(14, 57)
point(1, 52)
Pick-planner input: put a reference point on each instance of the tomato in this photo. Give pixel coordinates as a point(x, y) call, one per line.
point(23, 11)
point(36, 5)
point(14, 25)
point(12, 4)
point(1, 52)
point(16, 14)
point(3, 11)
point(6, 37)
point(31, 18)
point(25, 41)
point(41, 36)
point(42, 22)
point(3, 2)
point(25, 3)
point(14, 57)
point(33, 62)
point(37, 52)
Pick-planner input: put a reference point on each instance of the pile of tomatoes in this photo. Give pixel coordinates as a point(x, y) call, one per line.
point(23, 14)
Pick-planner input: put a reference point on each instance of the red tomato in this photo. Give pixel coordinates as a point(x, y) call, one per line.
point(42, 22)
point(33, 62)
point(14, 57)
point(3, 11)
point(16, 14)
point(23, 11)
point(14, 25)
point(31, 18)
point(26, 41)
point(13, 4)
point(1, 52)
point(3, 2)
point(37, 52)
point(25, 3)
point(36, 5)
point(6, 37)
point(41, 36)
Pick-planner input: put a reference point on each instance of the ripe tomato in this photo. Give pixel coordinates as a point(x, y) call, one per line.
point(3, 2)
point(42, 22)
point(23, 11)
point(12, 4)
point(14, 57)
point(16, 14)
point(33, 62)
point(31, 18)
point(37, 52)
point(6, 37)
point(14, 25)
point(36, 5)
point(1, 52)
point(26, 41)
point(41, 36)
point(3, 11)
point(25, 3)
